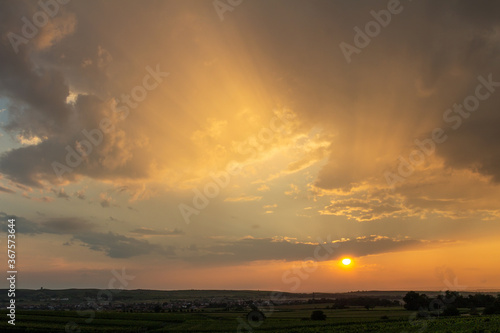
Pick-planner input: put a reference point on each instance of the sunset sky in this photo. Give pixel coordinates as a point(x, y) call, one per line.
point(252, 144)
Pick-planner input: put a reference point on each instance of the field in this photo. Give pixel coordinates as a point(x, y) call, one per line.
point(281, 319)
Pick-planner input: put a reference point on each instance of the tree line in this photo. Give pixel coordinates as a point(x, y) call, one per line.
point(449, 303)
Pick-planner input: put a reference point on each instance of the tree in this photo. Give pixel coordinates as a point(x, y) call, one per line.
point(414, 301)
point(473, 311)
point(318, 315)
point(493, 308)
point(256, 316)
point(451, 310)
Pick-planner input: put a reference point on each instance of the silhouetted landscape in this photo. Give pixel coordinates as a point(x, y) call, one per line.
point(79, 310)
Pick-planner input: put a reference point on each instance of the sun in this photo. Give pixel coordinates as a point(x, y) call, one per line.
point(346, 261)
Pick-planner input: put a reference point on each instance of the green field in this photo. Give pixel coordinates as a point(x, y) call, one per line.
point(282, 319)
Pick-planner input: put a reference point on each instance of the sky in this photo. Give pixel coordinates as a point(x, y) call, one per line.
point(251, 144)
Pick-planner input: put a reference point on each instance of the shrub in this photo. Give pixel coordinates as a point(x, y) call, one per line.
point(451, 310)
point(318, 315)
point(489, 310)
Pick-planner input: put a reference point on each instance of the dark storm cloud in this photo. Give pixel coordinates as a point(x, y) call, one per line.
point(111, 244)
point(23, 225)
point(37, 94)
point(253, 249)
point(6, 190)
point(29, 165)
point(119, 246)
point(475, 145)
point(479, 12)
point(425, 60)
point(152, 232)
point(66, 225)
point(36, 84)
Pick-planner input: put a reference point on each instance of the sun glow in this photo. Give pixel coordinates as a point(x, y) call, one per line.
point(346, 261)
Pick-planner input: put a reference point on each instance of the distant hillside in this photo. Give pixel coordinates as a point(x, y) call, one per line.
point(141, 295)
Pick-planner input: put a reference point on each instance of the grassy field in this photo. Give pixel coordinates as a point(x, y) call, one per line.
point(282, 319)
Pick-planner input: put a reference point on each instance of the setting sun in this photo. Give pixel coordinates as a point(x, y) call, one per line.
point(346, 261)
